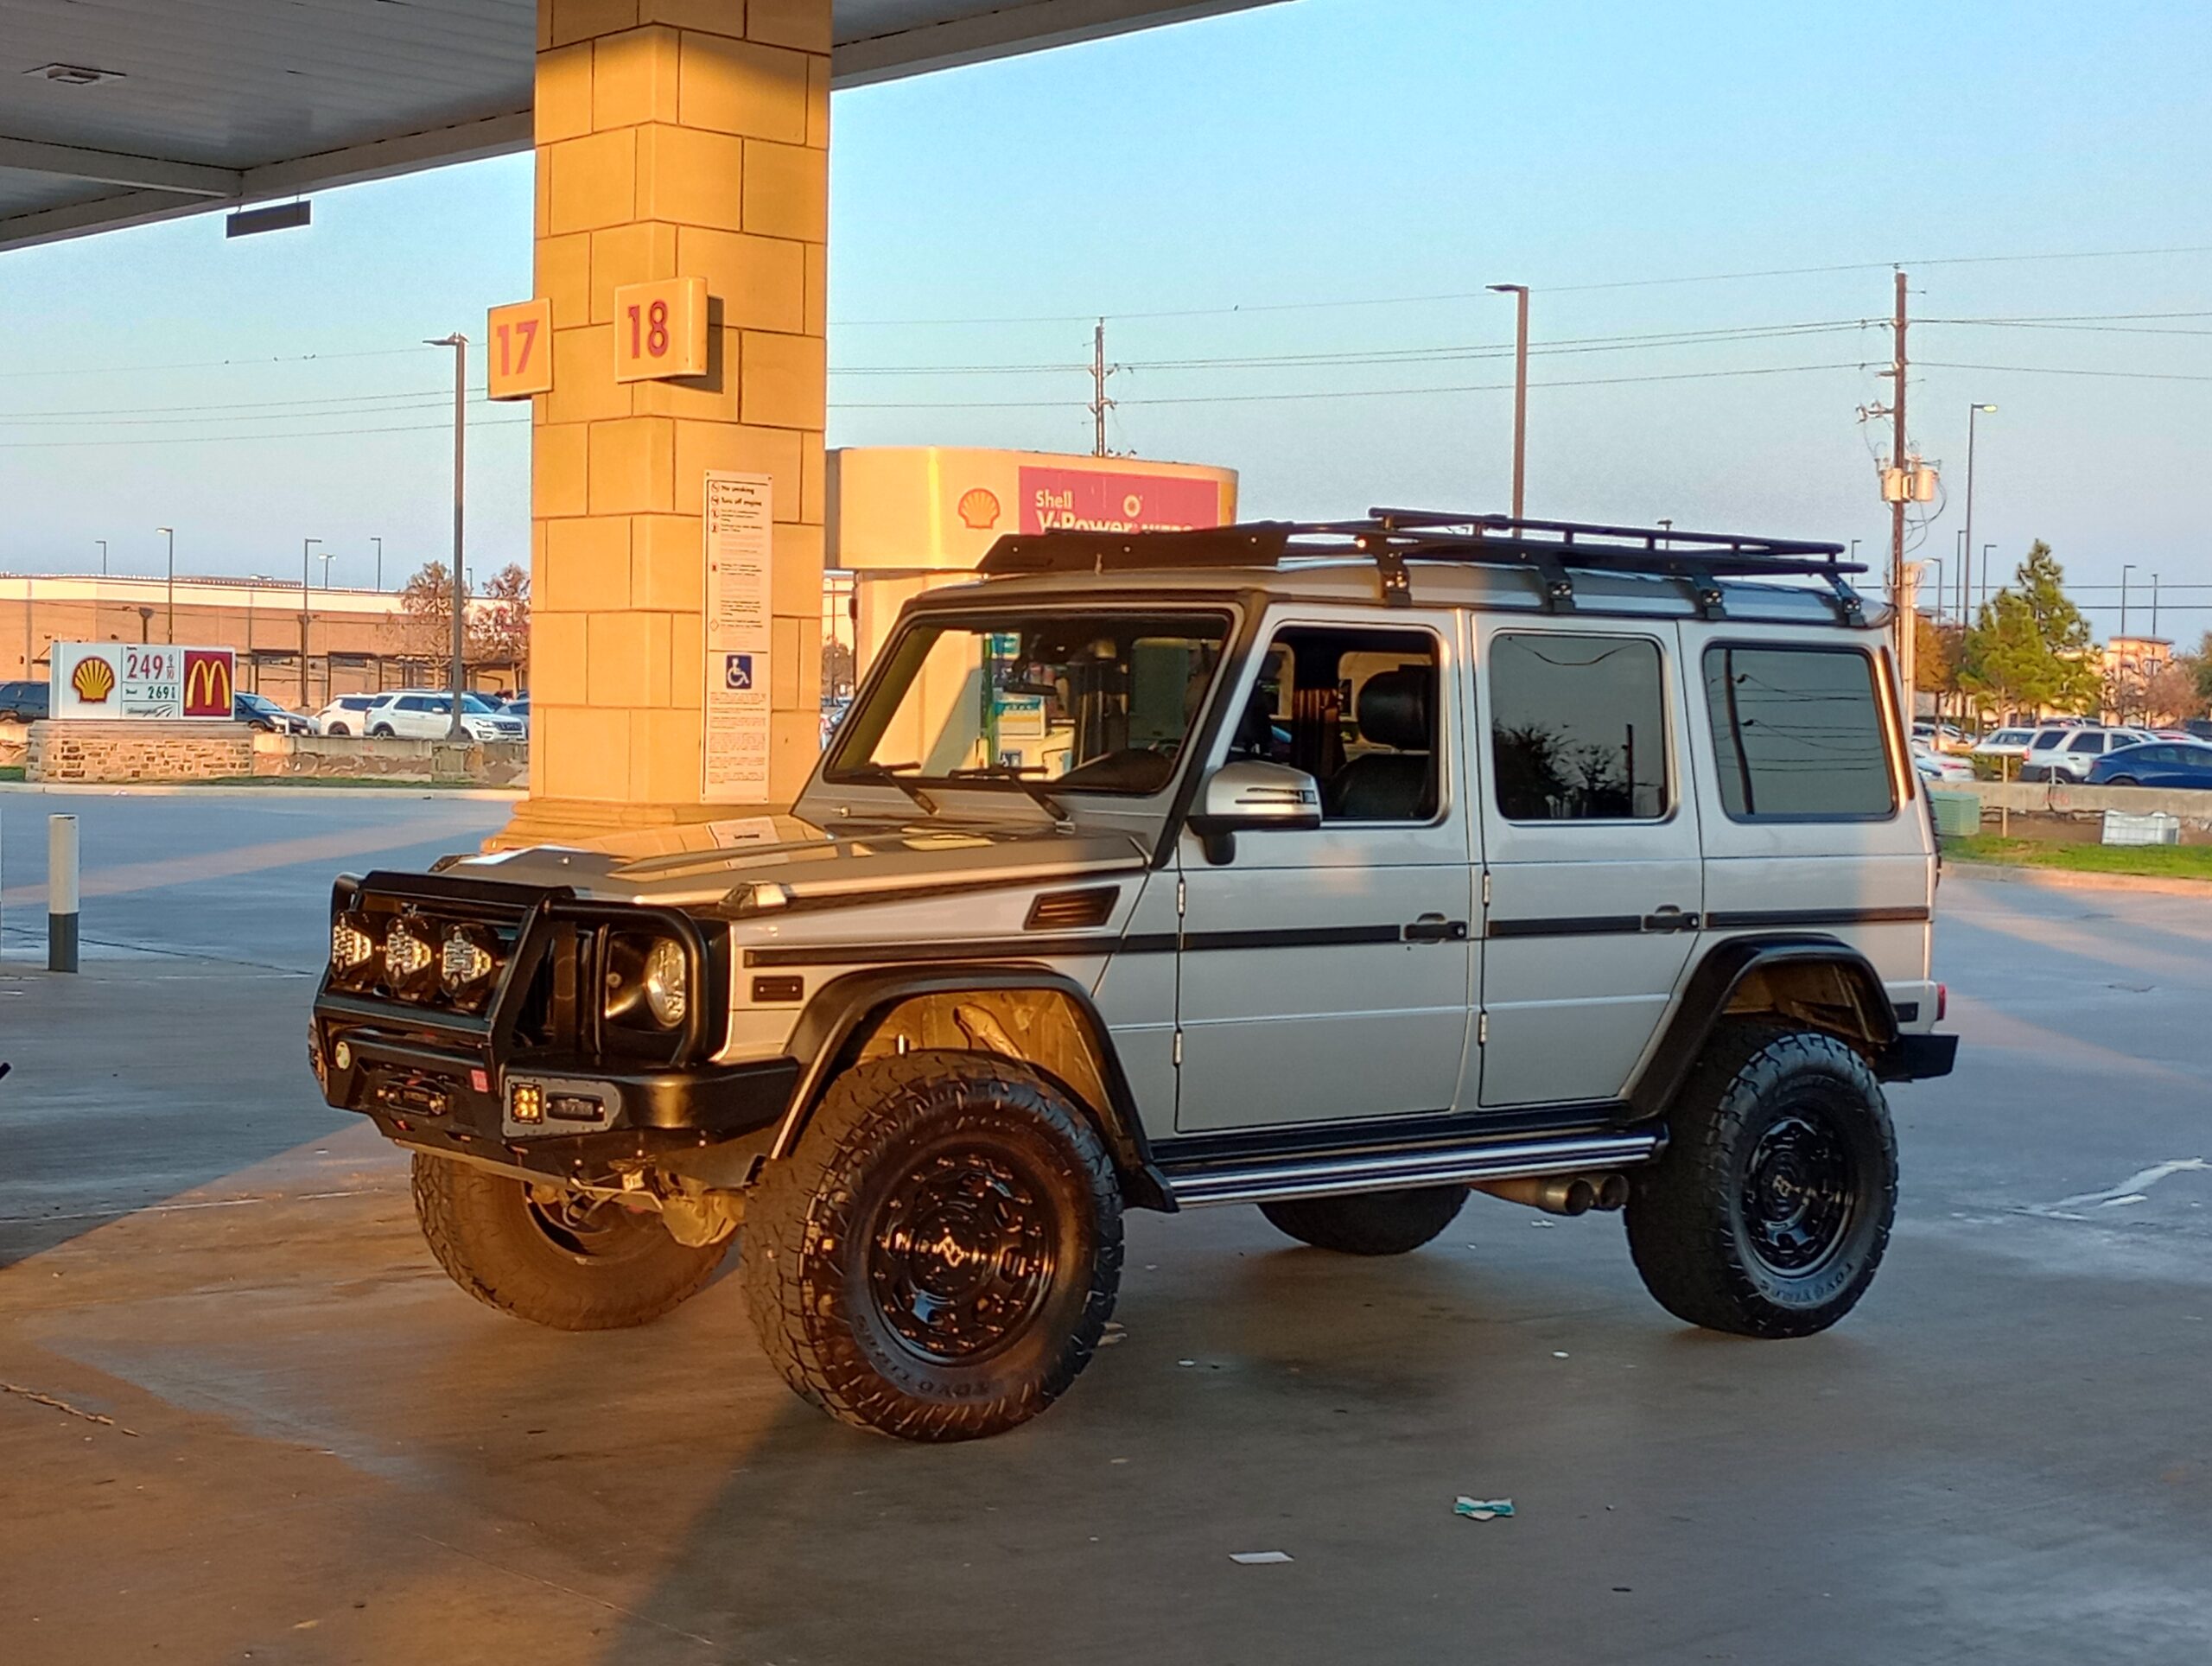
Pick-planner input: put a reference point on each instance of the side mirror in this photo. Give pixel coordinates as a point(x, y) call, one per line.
point(1258, 795)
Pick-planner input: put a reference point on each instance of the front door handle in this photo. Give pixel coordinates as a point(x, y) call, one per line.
point(1668, 918)
point(1434, 928)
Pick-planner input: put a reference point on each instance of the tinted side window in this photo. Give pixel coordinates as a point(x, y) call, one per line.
point(1578, 727)
point(2086, 743)
point(1797, 732)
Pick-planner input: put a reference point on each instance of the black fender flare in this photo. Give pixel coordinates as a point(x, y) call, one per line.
point(842, 1007)
point(1714, 983)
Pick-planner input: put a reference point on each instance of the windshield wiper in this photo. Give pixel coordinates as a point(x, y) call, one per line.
point(1036, 790)
point(874, 772)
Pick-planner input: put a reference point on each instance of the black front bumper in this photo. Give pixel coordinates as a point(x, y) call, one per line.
point(433, 1073)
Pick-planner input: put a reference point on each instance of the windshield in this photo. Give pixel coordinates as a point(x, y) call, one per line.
point(1085, 702)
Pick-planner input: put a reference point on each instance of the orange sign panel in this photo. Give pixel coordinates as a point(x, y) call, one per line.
point(519, 343)
point(660, 330)
point(208, 683)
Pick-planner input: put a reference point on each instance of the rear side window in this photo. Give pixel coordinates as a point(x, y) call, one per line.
point(1578, 727)
point(1798, 733)
point(2046, 739)
point(2086, 743)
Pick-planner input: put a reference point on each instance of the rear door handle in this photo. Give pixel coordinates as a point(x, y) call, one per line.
point(1434, 928)
point(1668, 918)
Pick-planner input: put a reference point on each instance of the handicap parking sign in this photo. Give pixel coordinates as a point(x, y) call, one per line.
point(737, 670)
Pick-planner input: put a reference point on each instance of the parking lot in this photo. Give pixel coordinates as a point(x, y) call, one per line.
point(245, 1416)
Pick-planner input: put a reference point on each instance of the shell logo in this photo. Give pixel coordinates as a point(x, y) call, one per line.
point(94, 680)
point(979, 509)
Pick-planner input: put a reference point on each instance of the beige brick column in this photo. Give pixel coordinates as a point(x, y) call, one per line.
point(676, 138)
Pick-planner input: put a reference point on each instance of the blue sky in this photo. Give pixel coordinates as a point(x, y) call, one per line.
point(1344, 152)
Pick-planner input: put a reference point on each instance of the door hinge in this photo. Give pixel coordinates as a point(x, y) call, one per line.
point(1179, 1049)
point(1482, 1029)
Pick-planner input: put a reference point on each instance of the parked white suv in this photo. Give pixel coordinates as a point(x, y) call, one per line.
point(344, 714)
point(1337, 869)
point(2065, 753)
point(426, 714)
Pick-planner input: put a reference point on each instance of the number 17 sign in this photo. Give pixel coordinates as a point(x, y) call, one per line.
point(518, 343)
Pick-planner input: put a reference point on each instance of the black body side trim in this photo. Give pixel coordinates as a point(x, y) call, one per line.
point(1051, 948)
point(1567, 925)
point(1773, 919)
point(829, 1032)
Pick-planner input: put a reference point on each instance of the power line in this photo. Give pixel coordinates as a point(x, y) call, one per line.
point(210, 364)
point(1553, 289)
point(2055, 370)
point(212, 439)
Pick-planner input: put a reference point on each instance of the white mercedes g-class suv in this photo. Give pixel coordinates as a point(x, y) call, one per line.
point(1335, 869)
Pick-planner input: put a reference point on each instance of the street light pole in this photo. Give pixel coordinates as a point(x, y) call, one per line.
point(2126, 568)
point(1986, 549)
point(379, 544)
point(103, 544)
point(306, 546)
point(459, 343)
point(169, 629)
point(1520, 293)
point(2154, 606)
point(1965, 569)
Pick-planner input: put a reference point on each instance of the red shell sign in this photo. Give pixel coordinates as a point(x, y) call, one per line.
point(1101, 500)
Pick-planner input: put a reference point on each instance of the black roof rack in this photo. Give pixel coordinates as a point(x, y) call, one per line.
point(1392, 538)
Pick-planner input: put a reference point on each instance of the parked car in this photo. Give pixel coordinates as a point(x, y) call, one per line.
point(1940, 766)
point(2004, 743)
point(517, 706)
point(343, 715)
point(2065, 751)
point(2162, 763)
point(2200, 728)
point(258, 711)
point(25, 701)
point(1222, 893)
point(1940, 737)
point(426, 714)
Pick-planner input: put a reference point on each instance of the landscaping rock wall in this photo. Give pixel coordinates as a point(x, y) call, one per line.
point(119, 752)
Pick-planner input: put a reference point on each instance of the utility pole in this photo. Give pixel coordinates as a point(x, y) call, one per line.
point(1897, 509)
point(2126, 568)
point(456, 730)
point(379, 544)
point(1520, 293)
point(169, 629)
point(2154, 606)
point(1965, 571)
point(307, 548)
point(1100, 405)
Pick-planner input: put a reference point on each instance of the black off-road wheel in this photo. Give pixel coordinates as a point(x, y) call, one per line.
point(1768, 1215)
point(556, 1258)
point(938, 1258)
point(1369, 1222)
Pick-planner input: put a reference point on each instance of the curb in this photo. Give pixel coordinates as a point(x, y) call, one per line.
point(2060, 879)
point(400, 791)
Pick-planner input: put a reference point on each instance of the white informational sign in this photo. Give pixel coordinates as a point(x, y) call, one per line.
point(741, 547)
point(141, 680)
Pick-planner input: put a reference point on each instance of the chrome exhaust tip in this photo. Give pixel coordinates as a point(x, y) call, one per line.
point(1562, 1194)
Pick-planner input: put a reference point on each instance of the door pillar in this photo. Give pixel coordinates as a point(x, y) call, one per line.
point(675, 138)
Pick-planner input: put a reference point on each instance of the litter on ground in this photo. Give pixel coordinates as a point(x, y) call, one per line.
point(1482, 1509)
point(1255, 1558)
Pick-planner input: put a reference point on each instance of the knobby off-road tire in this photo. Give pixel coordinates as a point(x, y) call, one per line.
point(938, 1258)
point(567, 1262)
point(1369, 1222)
point(1769, 1211)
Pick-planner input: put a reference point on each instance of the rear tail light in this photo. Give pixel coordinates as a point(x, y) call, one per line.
point(1943, 1000)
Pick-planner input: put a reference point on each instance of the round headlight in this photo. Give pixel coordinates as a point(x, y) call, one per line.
point(410, 965)
point(467, 963)
point(667, 983)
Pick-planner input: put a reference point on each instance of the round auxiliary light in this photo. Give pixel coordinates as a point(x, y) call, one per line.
point(409, 962)
point(350, 947)
point(467, 963)
point(667, 983)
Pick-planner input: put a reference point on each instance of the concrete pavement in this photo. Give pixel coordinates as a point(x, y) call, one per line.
point(333, 1455)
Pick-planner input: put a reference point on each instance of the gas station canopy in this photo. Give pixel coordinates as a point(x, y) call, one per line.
point(130, 110)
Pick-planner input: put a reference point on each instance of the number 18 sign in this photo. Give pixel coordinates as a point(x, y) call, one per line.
point(660, 329)
point(518, 344)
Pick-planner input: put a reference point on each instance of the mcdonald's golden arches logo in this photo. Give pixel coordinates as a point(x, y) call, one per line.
point(208, 687)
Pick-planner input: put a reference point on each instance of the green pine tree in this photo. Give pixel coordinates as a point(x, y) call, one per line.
point(2030, 650)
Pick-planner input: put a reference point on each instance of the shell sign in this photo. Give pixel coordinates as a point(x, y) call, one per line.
point(143, 680)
